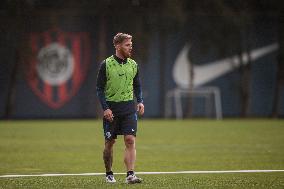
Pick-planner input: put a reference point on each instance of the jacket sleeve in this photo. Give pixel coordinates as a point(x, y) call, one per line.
point(137, 87)
point(101, 82)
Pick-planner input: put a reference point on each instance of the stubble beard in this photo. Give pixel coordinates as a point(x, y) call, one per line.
point(126, 54)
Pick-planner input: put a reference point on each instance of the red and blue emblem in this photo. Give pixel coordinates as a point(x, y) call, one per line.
point(58, 65)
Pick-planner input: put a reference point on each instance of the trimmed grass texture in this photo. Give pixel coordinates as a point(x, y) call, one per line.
point(75, 146)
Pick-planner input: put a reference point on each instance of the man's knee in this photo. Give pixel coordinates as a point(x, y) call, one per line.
point(129, 140)
point(109, 144)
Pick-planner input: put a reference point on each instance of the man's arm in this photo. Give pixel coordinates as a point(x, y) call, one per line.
point(138, 92)
point(137, 87)
point(101, 82)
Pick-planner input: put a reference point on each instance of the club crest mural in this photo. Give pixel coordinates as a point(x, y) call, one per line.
point(58, 65)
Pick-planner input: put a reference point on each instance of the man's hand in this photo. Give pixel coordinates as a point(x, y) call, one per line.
point(140, 109)
point(108, 115)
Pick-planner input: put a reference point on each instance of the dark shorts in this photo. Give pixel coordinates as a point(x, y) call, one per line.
point(121, 125)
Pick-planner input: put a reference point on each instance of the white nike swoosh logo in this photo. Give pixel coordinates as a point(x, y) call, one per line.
point(212, 70)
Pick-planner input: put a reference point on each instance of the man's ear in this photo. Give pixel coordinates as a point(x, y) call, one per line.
point(117, 47)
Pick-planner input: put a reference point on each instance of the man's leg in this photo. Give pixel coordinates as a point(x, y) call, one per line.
point(108, 154)
point(129, 159)
point(130, 152)
point(108, 157)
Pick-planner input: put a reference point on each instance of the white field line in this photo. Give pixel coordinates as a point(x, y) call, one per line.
point(144, 173)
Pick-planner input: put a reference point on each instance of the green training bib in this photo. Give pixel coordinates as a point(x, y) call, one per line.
point(119, 85)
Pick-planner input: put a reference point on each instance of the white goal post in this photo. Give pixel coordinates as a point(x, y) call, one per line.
point(175, 97)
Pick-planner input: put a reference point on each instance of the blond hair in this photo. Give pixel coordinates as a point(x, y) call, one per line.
point(120, 37)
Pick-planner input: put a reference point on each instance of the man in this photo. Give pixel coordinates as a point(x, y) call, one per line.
point(117, 81)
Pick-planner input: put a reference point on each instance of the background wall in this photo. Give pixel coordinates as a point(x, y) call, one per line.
point(160, 29)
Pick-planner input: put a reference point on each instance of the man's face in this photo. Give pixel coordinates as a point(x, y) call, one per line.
point(125, 48)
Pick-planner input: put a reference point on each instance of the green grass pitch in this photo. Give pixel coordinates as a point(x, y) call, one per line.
point(75, 146)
